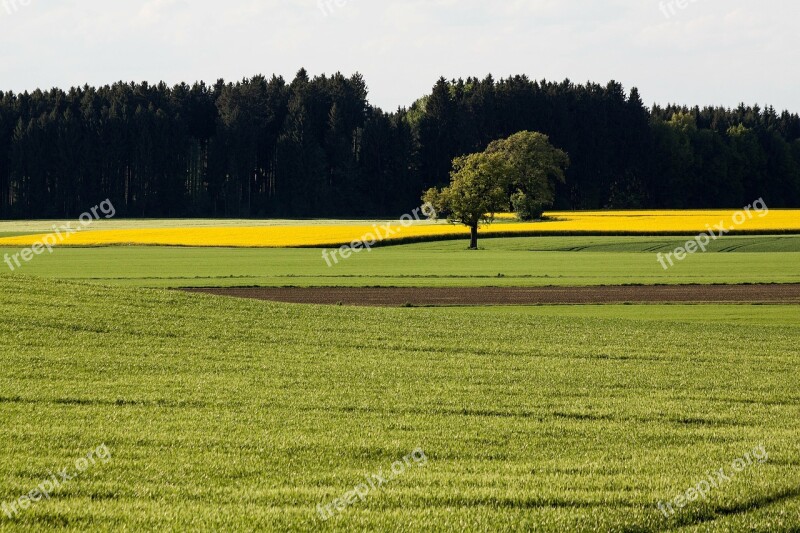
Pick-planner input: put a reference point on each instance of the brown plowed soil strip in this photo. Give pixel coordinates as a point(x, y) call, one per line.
point(520, 296)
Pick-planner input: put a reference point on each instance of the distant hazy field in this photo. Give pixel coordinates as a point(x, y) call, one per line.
point(231, 414)
point(531, 261)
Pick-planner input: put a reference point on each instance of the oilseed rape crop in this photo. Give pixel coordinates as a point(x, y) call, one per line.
point(294, 234)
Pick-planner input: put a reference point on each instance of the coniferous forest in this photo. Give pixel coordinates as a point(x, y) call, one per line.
point(315, 147)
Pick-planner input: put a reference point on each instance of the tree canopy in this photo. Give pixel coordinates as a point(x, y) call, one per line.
point(314, 146)
point(477, 190)
point(480, 183)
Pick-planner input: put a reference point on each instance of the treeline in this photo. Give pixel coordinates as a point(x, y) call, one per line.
point(315, 147)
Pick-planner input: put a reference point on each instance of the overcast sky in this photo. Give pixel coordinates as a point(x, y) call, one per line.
point(718, 52)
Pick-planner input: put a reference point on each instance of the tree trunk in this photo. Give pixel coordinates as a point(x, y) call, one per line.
point(473, 240)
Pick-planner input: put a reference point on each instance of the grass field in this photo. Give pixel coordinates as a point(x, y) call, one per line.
point(232, 414)
point(228, 414)
point(527, 261)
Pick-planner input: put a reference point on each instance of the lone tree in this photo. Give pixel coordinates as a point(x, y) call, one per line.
point(478, 189)
point(521, 169)
point(536, 166)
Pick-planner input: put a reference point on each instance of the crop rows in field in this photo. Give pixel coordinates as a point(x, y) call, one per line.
point(236, 414)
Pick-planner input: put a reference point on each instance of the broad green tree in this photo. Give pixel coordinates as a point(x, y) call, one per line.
point(521, 168)
point(478, 189)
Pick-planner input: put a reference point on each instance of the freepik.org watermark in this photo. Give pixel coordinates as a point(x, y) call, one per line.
point(61, 234)
point(670, 8)
point(381, 233)
point(329, 6)
point(373, 483)
point(701, 242)
point(52, 484)
point(714, 480)
point(12, 6)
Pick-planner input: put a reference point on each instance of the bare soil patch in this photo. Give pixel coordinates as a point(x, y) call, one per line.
point(442, 296)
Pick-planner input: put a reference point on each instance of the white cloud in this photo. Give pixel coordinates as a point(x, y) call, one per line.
point(712, 52)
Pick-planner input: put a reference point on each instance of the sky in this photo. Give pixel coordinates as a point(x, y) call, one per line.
point(704, 52)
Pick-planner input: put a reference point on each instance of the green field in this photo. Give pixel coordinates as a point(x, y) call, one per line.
point(532, 261)
point(232, 414)
point(225, 414)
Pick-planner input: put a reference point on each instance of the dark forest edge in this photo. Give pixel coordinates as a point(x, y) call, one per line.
point(315, 147)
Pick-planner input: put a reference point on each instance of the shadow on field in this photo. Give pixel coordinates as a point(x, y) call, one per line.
point(739, 508)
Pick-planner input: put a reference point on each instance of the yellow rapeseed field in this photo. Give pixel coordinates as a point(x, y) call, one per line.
point(301, 234)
